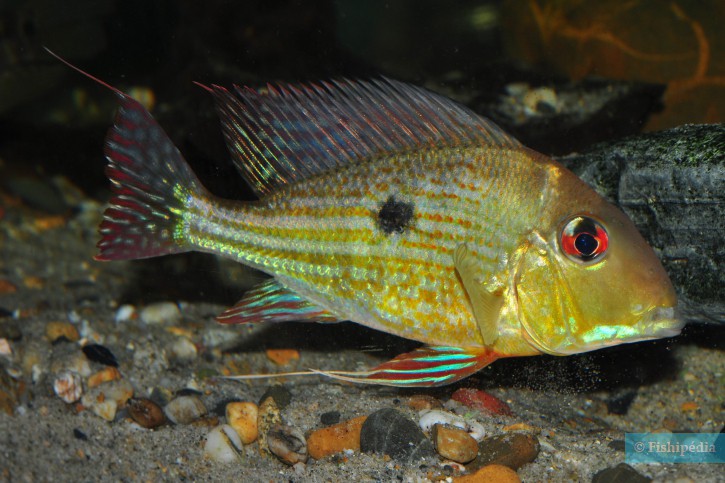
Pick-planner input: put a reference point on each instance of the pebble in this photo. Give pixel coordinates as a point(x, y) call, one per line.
point(282, 357)
point(267, 416)
point(125, 313)
point(104, 408)
point(387, 431)
point(242, 416)
point(430, 418)
point(454, 444)
point(5, 349)
point(183, 350)
point(512, 450)
point(482, 401)
point(68, 386)
point(490, 474)
point(281, 395)
point(104, 375)
point(622, 473)
point(422, 402)
point(330, 417)
point(336, 439)
point(100, 354)
point(55, 331)
point(287, 443)
point(146, 413)
point(6, 286)
point(75, 362)
point(160, 313)
point(185, 409)
point(223, 445)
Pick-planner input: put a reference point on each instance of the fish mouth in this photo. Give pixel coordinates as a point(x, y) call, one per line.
point(660, 322)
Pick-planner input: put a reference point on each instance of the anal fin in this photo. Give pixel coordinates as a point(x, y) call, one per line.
point(270, 302)
point(428, 366)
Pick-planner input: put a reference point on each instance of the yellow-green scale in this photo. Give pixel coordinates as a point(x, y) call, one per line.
point(323, 239)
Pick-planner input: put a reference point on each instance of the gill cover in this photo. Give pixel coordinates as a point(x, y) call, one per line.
point(547, 309)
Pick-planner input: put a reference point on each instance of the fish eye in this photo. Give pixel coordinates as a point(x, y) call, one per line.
point(583, 239)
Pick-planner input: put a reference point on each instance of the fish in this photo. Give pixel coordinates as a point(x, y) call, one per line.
point(388, 205)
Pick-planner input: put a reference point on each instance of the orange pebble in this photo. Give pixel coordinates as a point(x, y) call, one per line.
point(104, 375)
point(690, 406)
point(6, 286)
point(335, 439)
point(490, 474)
point(282, 357)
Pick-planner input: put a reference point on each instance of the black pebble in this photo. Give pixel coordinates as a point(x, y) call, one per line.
point(395, 216)
point(187, 391)
point(330, 417)
point(622, 473)
point(100, 354)
point(78, 434)
point(388, 431)
point(281, 395)
point(619, 402)
point(617, 445)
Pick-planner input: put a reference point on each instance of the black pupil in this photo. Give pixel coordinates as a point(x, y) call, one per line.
point(586, 244)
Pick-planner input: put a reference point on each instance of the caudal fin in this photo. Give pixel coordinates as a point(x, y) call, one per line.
point(151, 185)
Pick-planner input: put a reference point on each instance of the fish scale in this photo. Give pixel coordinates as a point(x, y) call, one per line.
point(293, 235)
point(390, 206)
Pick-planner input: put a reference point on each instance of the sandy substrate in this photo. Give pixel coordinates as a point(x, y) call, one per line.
point(674, 385)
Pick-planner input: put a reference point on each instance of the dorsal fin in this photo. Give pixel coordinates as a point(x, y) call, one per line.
point(284, 134)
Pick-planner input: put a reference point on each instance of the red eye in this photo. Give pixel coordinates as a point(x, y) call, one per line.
point(583, 239)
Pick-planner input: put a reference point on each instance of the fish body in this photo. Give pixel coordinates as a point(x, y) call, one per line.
point(390, 206)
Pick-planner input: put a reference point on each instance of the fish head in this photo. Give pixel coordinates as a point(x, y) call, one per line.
point(586, 278)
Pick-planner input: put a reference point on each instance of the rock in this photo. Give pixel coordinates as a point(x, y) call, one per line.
point(223, 445)
point(282, 357)
point(389, 432)
point(68, 386)
point(335, 439)
point(330, 417)
point(420, 402)
point(105, 375)
point(454, 444)
point(160, 313)
point(100, 354)
point(622, 473)
point(670, 183)
point(242, 416)
point(482, 401)
point(287, 443)
point(146, 413)
point(429, 419)
point(512, 450)
point(185, 409)
point(490, 474)
point(620, 400)
point(125, 313)
point(281, 395)
point(183, 350)
point(267, 417)
point(104, 408)
point(55, 331)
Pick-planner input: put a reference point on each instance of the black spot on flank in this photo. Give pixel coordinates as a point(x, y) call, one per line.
point(395, 216)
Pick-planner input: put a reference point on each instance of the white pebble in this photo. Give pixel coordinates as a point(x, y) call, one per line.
point(185, 409)
point(125, 313)
point(5, 349)
point(183, 350)
point(160, 313)
point(431, 417)
point(68, 386)
point(223, 445)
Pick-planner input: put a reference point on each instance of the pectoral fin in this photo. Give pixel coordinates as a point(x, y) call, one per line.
point(486, 305)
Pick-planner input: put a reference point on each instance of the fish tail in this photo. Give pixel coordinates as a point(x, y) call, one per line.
point(152, 185)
